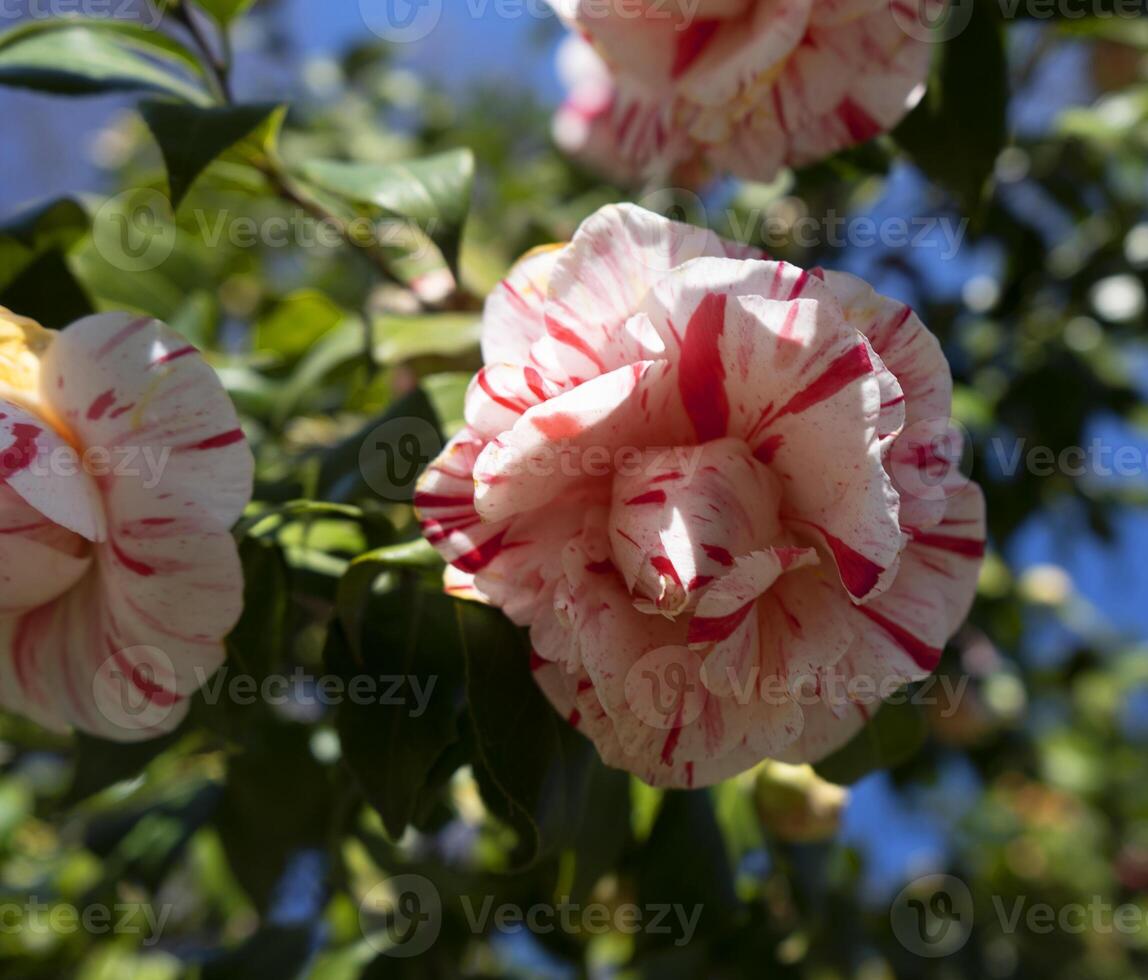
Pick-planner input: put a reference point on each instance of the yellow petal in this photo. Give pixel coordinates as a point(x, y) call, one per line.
point(22, 343)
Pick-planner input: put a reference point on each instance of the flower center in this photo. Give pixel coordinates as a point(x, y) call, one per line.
point(681, 516)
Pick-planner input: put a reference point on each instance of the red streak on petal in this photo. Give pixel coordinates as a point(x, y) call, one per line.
point(846, 369)
point(663, 566)
point(692, 44)
point(558, 426)
point(924, 656)
point(860, 124)
point(649, 497)
point(153, 692)
point(564, 335)
point(701, 376)
point(718, 554)
point(476, 560)
point(174, 355)
point(219, 441)
point(425, 501)
point(714, 629)
point(101, 404)
point(132, 564)
point(768, 449)
point(18, 456)
point(966, 547)
point(514, 405)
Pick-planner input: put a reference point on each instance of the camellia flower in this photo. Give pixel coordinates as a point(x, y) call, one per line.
point(122, 468)
point(721, 491)
point(745, 86)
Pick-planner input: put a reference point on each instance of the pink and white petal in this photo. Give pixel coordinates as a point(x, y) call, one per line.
point(134, 387)
point(39, 561)
point(823, 732)
point(718, 62)
point(925, 458)
point(679, 522)
point(46, 471)
point(902, 633)
point(501, 393)
point(444, 504)
point(513, 317)
point(801, 386)
point(603, 278)
point(546, 452)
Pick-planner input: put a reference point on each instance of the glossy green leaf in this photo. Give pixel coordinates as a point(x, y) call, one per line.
point(403, 338)
point(191, 137)
point(960, 127)
point(401, 648)
point(433, 193)
point(84, 61)
point(532, 765)
point(894, 736)
point(225, 11)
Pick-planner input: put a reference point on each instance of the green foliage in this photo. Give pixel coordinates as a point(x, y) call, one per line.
point(275, 810)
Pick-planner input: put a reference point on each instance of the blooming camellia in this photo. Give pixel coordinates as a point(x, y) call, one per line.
point(721, 491)
point(743, 86)
point(122, 468)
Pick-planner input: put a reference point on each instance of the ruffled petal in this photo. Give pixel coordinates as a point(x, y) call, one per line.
point(134, 388)
point(513, 320)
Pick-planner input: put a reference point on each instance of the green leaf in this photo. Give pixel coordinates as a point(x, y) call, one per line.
point(297, 322)
point(684, 861)
point(433, 192)
point(958, 130)
point(84, 61)
point(54, 226)
point(894, 736)
point(140, 36)
point(191, 137)
point(403, 338)
point(225, 11)
point(532, 766)
point(403, 647)
point(336, 348)
point(383, 460)
point(48, 292)
point(278, 800)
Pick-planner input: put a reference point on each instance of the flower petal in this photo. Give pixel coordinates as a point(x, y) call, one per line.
point(133, 387)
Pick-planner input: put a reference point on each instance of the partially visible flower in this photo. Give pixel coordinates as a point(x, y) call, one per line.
point(721, 491)
point(122, 468)
point(744, 87)
point(796, 805)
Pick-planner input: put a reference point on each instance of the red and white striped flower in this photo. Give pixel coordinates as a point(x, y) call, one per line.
point(744, 86)
point(720, 490)
point(122, 468)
